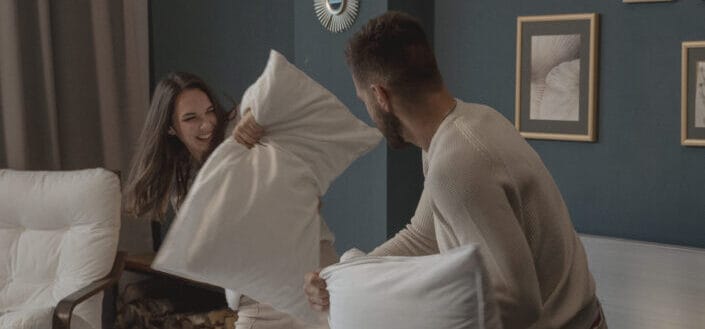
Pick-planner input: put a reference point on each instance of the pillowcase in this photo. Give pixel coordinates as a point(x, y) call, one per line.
point(443, 291)
point(250, 221)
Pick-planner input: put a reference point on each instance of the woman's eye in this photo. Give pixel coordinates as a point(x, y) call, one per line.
point(188, 119)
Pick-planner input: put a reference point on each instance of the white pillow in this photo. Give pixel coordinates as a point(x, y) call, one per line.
point(250, 221)
point(443, 291)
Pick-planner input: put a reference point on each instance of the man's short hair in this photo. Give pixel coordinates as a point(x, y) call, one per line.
point(393, 49)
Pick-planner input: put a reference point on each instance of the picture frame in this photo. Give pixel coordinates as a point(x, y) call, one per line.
point(642, 1)
point(556, 77)
point(693, 93)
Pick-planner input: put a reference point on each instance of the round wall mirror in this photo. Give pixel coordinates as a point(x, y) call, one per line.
point(335, 6)
point(336, 15)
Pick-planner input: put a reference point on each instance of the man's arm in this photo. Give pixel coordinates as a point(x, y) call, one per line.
point(417, 239)
point(475, 202)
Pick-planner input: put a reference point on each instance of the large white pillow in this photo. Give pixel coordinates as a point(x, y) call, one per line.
point(250, 221)
point(443, 291)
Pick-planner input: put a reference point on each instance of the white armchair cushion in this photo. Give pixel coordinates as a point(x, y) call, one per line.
point(58, 233)
point(40, 318)
point(443, 291)
point(250, 222)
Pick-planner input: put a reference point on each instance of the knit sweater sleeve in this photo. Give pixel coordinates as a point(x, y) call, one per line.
point(474, 201)
point(417, 238)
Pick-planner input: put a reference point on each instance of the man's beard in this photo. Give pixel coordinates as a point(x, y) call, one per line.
point(391, 129)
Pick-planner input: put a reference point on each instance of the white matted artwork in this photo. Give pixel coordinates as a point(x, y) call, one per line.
point(555, 77)
point(641, 1)
point(693, 93)
point(700, 97)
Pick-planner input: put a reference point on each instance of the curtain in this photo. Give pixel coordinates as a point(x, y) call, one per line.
point(74, 87)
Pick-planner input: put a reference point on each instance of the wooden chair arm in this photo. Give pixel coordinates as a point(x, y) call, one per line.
point(142, 263)
point(63, 311)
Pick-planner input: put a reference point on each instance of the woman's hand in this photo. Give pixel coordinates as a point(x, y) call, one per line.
point(247, 132)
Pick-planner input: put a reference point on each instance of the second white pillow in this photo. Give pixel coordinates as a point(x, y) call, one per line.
point(443, 291)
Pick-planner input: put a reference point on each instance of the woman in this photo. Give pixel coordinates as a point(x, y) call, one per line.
point(184, 124)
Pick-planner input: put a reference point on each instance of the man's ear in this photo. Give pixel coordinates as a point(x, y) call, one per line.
point(382, 96)
point(171, 131)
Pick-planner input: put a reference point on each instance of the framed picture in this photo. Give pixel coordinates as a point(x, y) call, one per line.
point(640, 1)
point(693, 94)
point(556, 71)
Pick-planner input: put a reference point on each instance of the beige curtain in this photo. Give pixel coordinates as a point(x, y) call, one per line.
point(74, 87)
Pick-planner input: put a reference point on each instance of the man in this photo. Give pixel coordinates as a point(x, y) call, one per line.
point(484, 184)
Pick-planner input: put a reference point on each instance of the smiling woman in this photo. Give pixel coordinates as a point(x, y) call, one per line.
point(184, 124)
point(194, 122)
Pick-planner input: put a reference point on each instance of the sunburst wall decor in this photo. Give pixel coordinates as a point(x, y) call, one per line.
point(336, 15)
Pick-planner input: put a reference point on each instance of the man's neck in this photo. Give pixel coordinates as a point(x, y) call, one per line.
point(420, 123)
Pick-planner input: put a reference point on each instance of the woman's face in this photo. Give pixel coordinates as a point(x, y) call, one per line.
point(194, 122)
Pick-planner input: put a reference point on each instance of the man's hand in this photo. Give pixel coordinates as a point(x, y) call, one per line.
point(315, 289)
point(247, 132)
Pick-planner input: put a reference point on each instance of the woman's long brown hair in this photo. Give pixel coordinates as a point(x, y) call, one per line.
point(162, 166)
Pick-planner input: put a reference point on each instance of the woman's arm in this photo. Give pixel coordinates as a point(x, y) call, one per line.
point(247, 132)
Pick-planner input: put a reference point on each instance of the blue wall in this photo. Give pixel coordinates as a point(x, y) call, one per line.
point(404, 169)
point(636, 181)
point(355, 206)
point(228, 42)
point(224, 42)
point(378, 194)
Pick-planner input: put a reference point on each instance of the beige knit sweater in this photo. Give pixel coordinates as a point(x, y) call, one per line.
point(486, 185)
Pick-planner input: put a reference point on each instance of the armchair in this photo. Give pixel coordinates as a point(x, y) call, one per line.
point(58, 242)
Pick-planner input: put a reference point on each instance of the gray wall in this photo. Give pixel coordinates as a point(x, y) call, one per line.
point(636, 181)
